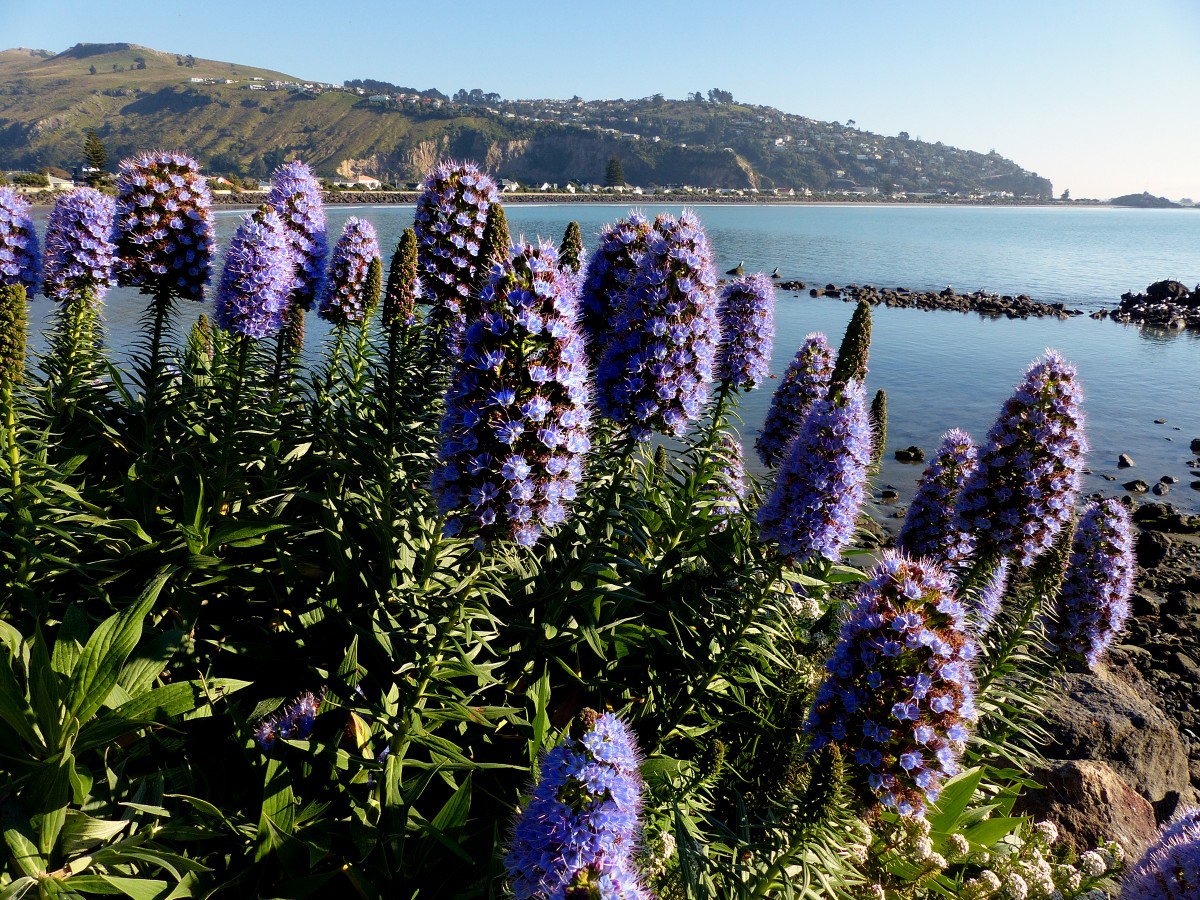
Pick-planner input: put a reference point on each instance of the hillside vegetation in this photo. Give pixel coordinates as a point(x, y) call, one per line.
point(243, 120)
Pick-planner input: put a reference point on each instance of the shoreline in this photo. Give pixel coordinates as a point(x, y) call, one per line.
point(251, 199)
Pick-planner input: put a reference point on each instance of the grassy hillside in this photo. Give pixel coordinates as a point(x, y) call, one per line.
point(243, 120)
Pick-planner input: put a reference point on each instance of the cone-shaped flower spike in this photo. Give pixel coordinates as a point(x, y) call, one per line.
point(1094, 602)
point(656, 373)
point(20, 261)
point(1170, 868)
point(855, 349)
point(14, 312)
point(747, 331)
point(164, 227)
point(296, 197)
point(79, 246)
point(258, 278)
point(451, 212)
point(516, 424)
point(403, 285)
point(805, 382)
point(820, 486)
point(570, 251)
point(577, 835)
point(607, 277)
point(1023, 490)
point(899, 692)
point(729, 483)
point(346, 300)
point(929, 526)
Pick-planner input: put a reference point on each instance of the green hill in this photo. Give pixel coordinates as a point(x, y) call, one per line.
point(242, 120)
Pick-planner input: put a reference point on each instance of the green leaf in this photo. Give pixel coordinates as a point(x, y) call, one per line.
point(956, 794)
point(18, 836)
point(18, 888)
point(541, 716)
point(48, 795)
point(240, 534)
point(988, 832)
point(69, 642)
point(156, 707)
point(14, 707)
point(447, 825)
point(137, 888)
point(81, 832)
point(277, 820)
point(139, 673)
point(100, 663)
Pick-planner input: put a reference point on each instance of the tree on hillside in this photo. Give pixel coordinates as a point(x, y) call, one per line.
point(716, 95)
point(614, 173)
point(94, 157)
point(1066, 195)
point(91, 70)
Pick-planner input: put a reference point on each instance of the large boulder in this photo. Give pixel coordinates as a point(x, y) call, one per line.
point(1167, 291)
point(1113, 718)
point(1090, 803)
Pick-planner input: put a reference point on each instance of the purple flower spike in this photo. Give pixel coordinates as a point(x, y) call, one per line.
point(294, 722)
point(729, 484)
point(899, 693)
point(608, 276)
point(929, 527)
point(1094, 602)
point(987, 606)
point(79, 246)
point(1170, 868)
point(516, 426)
point(451, 212)
point(578, 834)
point(820, 487)
point(258, 278)
point(20, 261)
point(296, 197)
point(164, 228)
point(655, 375)
point(747, 330)
point(805, 382)
point(344, 301)
point(1023, 491)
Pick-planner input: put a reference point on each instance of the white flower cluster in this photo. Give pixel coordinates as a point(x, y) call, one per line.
point(1020, 870)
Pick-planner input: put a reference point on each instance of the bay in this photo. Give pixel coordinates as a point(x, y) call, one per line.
point(940, 369)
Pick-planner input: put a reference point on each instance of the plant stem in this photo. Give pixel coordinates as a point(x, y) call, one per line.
point(230, 426)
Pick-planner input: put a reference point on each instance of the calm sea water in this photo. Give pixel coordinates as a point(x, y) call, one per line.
point(940, 369)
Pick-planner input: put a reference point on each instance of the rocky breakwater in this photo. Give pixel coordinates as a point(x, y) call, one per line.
point(1124, 750)
point(1019, 306)
point(1164, 304)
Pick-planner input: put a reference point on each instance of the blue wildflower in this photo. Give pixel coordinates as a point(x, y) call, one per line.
point(608, 275)
point(1023, 491)
point(656, 373)
point(1170, 867)
point(20, 261)
point(294, 722)
point(258, 278)
point(79, 246)
point(296, 197)
point(344, 301)
point(820, 487)
point(164, 228)
point(747, 316)
point(578, 833)
point(516, 426)
point(987, 605)
point(929, 526)
point(452, 210)
point(900, 689)
point(1094, 602)
point(805, 382)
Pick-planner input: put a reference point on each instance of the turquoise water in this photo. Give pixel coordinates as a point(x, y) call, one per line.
point(940, 369)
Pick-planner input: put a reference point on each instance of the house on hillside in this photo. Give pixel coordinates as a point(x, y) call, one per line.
point(360, 181)
point(60, 184)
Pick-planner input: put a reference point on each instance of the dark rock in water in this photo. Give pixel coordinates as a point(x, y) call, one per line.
point(1099, 716)
point(1090, 803)
point(1108, 477)
point(1165, 304)
point(1125, 461)
point(1196, 445)
point(1167, 291)
point(1136, 486)
point(1160, 421)
point(1196, 485)
point(814, 293)
point(889, 495)
point(1160, 489)
point(910, 455)
point(1168, 479)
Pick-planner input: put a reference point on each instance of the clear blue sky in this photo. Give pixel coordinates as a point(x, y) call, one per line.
point(1100, 96)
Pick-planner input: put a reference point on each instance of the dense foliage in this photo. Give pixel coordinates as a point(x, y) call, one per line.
point(284, 631)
